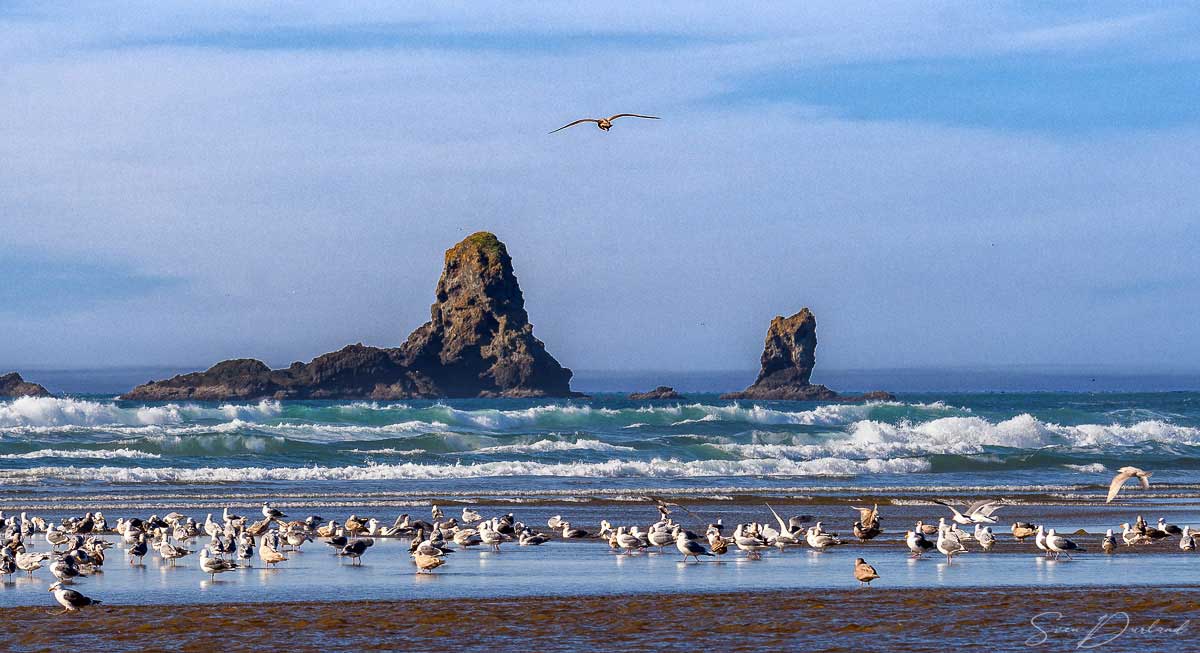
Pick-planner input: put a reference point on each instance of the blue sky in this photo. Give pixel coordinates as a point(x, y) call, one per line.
point(943, 183)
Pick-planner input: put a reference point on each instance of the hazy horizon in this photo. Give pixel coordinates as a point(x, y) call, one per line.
point(907, 380)
point(942, 184)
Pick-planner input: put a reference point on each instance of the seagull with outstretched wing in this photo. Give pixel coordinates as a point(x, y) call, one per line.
point(605, 124)
point(1123, 475)
point(664, 506)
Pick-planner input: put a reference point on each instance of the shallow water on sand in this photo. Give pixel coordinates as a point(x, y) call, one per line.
point(590, 568)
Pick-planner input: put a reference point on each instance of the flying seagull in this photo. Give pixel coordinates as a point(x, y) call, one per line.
point(605, 124)
point(1124, 474)
point(979, 512)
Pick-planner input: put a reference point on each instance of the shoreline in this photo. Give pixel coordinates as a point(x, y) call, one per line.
point(863, 619)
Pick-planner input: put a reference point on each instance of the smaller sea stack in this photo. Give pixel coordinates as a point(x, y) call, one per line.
point(788, 358)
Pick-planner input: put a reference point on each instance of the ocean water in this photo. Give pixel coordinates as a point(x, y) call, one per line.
point(84, 449)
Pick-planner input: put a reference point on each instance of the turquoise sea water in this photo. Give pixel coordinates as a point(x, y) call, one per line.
point(587, 449)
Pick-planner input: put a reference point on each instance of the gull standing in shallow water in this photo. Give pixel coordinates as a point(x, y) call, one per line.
point(213, 566)
point(949, 546)
point(1059, 544)
point(31, 562)
point(270, 513)
point(864, 572)
point(427, 563)
point(1187, 542)
point(70, 600)
point(1022, 530)
point(819, 540)
point(1168, 528)
point(751, 545)
point(356, 549)
point(1109, 543)
point(985, 537)
point(689, 548)
point(1040, 541)
point(917, 543)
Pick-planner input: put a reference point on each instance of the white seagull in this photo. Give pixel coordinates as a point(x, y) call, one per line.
point(214, 566)
point(917, 543)
point(605, 124)
point(70, 600)
point(1059, 544)
point(979, 512)
point(1186, 543)
point(820, 541)
point(1040, 540)
point(271, 513)
point(1109, 543)
point(689, 548)
point(1123, 475)
point(985, 537)
point(949, 546)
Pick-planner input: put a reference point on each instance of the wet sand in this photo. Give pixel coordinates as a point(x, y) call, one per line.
point(870, 619)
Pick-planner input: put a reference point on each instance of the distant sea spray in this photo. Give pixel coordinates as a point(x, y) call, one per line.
point(77, 442)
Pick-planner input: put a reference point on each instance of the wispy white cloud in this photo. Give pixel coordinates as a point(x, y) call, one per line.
point(306, 190)
point(1088, 34)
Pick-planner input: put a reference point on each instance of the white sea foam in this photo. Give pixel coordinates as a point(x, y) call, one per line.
point(965, 435)
point(657, 468)
point(346, 432)
point(60, 411)
point(81, 453)
point(42, 414)
point(962, 436)
point(388, 451)
point(573, 415)
point(1093, 468)
point(545, 446)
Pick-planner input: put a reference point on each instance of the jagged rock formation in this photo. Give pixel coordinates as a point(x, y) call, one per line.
point(12, 385)
point(477, 343)
point(478, 340)
point(788, 357)
point(661, 392)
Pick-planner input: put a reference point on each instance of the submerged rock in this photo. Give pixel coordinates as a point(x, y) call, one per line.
point(477, 343)
point(789, 355)
point(12, 385)
point(661, 392)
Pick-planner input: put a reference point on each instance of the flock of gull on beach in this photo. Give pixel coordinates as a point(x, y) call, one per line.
point(77, 547)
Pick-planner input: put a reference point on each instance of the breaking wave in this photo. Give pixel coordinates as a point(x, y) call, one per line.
point(104, 454)
point(57, 411)
point(272, 441)
point(545, 446)
point(656, 468)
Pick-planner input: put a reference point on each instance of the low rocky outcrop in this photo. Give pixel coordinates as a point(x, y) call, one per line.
point(661, 392)
point(477, 343)
point(787, 362)
point(12, 385)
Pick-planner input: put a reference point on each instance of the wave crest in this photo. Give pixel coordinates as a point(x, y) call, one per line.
point(656, 468)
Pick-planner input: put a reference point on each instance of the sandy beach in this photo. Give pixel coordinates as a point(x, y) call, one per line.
point(1110, 618)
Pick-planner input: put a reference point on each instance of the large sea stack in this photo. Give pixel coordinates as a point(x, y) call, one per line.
point(788, 358)
point(12, 385)
point(477, 343)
